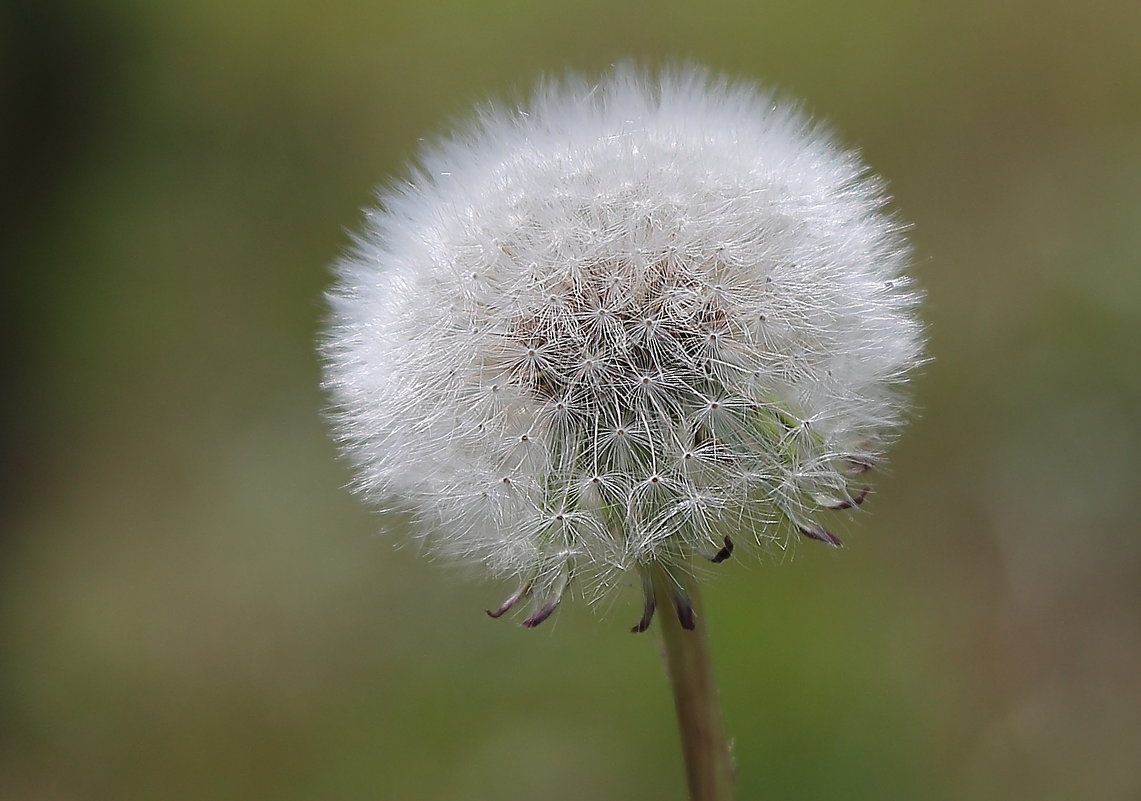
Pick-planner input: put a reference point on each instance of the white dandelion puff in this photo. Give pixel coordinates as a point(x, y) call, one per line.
point(632, 322)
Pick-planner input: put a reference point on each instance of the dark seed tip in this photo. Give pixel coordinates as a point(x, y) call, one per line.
point(647, 616)
point(684, 611)
point(821, 534)
point(685, 617)
point(510, 601)
point(540, 615)
point(855, 500)
point(724, 553)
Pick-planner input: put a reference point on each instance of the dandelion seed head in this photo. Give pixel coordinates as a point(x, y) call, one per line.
point(620, 323)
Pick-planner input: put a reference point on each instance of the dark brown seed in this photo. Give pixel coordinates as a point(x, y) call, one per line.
point(817, 533)
point(541, 615)
point(724, 553)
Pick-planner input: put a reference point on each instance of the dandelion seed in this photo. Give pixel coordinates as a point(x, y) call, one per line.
point(631, 324)
point(641, 315)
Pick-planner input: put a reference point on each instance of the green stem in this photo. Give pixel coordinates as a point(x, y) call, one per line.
point(708, 763)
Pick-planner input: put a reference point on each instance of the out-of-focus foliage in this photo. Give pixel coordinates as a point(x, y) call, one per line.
point(191, 606)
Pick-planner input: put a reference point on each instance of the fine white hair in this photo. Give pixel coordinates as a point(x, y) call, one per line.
point(619, 324)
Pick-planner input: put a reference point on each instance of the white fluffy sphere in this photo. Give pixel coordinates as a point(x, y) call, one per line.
point(619, 324)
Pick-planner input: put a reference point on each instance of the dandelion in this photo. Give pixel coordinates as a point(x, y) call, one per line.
point(632, 324)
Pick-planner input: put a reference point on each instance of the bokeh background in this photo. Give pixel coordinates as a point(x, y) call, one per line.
point(192, 606)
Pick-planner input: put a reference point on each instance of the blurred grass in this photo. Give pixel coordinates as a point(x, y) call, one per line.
point(191, 606)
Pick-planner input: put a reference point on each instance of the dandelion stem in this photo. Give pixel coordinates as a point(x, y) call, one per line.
point(708, 763)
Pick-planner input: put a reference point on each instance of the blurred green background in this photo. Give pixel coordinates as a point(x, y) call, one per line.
point(192, 606)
